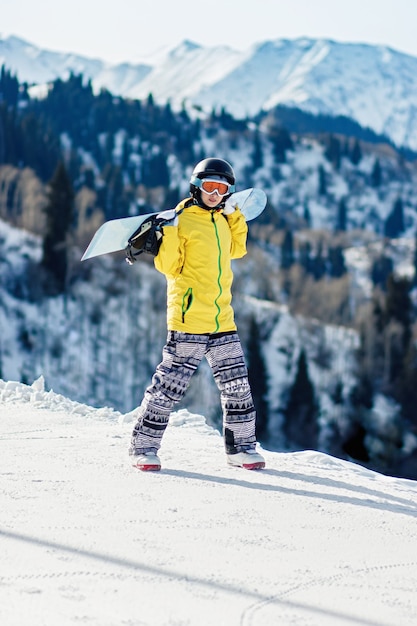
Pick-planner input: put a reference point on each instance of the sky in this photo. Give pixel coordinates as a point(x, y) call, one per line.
point(85, 538)
point(130, 30)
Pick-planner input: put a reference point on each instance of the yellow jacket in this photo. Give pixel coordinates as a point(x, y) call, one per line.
point(195, 257)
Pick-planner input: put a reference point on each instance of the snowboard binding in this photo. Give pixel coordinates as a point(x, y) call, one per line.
point(146, 239)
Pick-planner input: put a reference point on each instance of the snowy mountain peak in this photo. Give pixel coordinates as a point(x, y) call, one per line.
point(185, 47)
point(374, 85)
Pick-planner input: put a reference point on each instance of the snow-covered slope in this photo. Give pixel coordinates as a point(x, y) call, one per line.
point(374, 85)
point(96, 350)
point(86, 539)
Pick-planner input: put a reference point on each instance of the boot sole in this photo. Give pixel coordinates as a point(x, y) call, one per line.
point(148, 468)
point(249, 466)
point(253, 466)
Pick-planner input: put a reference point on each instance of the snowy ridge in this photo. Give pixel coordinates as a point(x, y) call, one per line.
point(87, 539)
point(39, 398)
point(374, 85)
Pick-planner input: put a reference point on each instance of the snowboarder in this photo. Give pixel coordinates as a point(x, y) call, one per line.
point(207, 231)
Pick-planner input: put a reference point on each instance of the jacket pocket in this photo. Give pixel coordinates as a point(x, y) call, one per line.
point(187, 301)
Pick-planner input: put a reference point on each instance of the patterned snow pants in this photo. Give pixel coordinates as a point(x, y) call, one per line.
point(182, 355)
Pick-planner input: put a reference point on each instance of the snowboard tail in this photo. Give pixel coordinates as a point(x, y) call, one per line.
point(114, 235)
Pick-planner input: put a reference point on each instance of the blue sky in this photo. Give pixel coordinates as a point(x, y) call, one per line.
point(129, 30)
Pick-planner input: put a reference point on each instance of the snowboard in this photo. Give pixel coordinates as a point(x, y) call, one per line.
point(114, 235)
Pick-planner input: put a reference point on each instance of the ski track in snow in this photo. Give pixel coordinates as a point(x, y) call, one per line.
point(87, 539)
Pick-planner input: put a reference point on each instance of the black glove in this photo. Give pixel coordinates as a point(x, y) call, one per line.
point(147, 238)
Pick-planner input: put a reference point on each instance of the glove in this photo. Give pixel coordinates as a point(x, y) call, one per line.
point(230, 206)
point(147, 238)
point(169, 216)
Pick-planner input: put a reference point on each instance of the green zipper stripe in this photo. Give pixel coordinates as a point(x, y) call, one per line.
point(219, 274)
point(186, 302)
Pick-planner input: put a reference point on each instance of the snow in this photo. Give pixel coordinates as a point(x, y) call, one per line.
point(87, 539)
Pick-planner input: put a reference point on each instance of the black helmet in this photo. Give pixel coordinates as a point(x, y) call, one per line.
point(209, 168)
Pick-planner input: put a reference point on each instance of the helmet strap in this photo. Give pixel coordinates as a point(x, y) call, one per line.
point(198, 200)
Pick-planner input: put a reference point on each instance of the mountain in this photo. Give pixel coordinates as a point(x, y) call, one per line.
point(374, 85)
point(87, 539)
point(36, 66)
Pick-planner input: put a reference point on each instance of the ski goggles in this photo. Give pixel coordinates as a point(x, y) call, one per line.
point(210, 186)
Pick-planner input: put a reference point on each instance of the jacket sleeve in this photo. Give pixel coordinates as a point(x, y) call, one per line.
point(239, 229)
point(170, 258)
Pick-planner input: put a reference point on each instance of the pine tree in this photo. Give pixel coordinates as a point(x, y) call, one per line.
point(356, 154)
point(362, 394)
point(415, 261)
point(398, 303)
point(59, 220)
point(341, 221)
point(407, 386)
point(155, 171)
point(301, 413)
point(9, 88)
point(376, 174)
point(386, 337)
point(3, 129)
point(258, 381)
point(322, 181)
point(257, 154)
point(281, 142)
point(382, 267)
point(395, 223)
point(355, 444)
point(287, 250)
point(336, 260)
point(305, 257)
point(307, 214)
point(114, 204)
point(318, 263)
point(333, 151)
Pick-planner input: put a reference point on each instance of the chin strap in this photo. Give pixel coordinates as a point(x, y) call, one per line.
point(201, 204)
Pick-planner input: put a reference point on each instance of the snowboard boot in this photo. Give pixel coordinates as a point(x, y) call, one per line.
point(147, 462)
point(249, 459)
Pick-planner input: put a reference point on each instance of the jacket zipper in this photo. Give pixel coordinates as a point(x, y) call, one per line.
point(219, 275)
point(186, 302)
